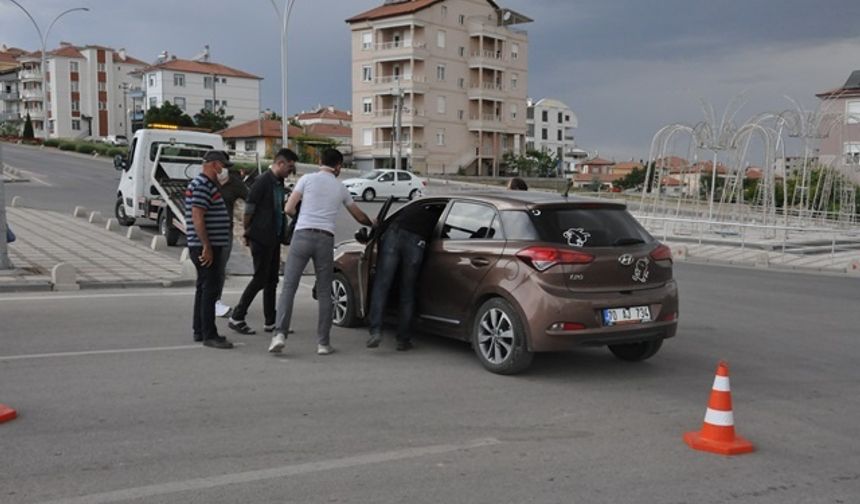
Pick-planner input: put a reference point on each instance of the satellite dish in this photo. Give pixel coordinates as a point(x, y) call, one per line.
point(506, 16)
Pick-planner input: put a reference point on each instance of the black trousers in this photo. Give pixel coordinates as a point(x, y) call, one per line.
point(267, 263)
point(208, 281)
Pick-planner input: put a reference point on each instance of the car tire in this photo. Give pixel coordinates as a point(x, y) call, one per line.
point(414, 193)
point(343, 298)
point(499, 338)
point(368, 194)
point(119, 211)
point(166, 228)
point(635, 352)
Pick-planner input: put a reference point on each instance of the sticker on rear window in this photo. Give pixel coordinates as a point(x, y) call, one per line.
point(576, 237)
point(640, 272)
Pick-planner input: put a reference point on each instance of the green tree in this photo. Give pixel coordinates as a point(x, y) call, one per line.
point(532, 163)
point(214, 121)
point(168, 113)
point(28, 134)
point(10, 128)
point(636, 179)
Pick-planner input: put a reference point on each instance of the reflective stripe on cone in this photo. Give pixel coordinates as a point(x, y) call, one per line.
point(718, 430)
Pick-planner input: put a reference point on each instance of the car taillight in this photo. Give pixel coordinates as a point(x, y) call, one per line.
point(661, 253)
point(567, 326)
point(544, 258)
point(668, 317)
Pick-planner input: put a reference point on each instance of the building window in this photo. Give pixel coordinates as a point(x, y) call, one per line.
point(367, 105)
point(560, 117)
point(208, 82)
point(462, 52)
point(73, 66)
point(852, 153)
point(515, 51)
point(544, 134)
point(461, 83)
point(151, 79)
point(101, 67)
point(444, 12)
point(76, 124)
point(460, 114)
point(76, 106)
point(207, 105)
point(852, 112)
point(440, 137)
point(514, 112)
point(461, 19)
point(179, 102)
point(567, 118)
point(153, 102)
point(102, 105)
point(514, 80)
point(559, 135)
point(223, 80)
point(440, 39)
point(250, 145)
point(530, 130)
point(544, 115)
point(102, 86)
point(75, 86)
point(367, 73)
point(440, 72)
point(220, 104)
point(366, 41)
point(441, 104)
point(179, 80)
point(367, 137)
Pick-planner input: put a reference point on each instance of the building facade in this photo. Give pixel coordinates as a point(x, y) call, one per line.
point(549, 128)
point(10, 98)
point(840, 146)
point(197, 85)
point(462, 71)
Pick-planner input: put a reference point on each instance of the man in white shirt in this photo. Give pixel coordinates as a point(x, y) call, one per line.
point(321, 195)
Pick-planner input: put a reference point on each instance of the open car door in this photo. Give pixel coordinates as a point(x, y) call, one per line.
point(367, 261)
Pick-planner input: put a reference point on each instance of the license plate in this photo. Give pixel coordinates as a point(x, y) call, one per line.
point(631, 315)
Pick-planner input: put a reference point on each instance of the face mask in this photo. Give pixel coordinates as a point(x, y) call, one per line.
point(223, 176)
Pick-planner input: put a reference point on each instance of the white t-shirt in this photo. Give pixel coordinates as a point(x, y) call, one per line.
point(322, 196)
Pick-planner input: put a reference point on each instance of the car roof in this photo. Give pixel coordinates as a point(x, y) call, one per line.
point(520, 200)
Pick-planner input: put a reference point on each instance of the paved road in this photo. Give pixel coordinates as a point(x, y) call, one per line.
point(173, 422)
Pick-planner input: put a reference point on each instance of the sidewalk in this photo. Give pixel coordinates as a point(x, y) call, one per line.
point(100, 257)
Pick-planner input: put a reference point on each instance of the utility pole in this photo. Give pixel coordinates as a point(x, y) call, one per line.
point(125, 108)
point(5, 263)
point(398, 122)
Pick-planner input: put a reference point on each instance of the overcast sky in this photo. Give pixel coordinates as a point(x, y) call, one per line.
point(626, 67)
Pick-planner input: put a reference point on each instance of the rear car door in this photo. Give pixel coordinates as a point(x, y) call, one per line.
point(404, 184)
point(468, 247)
point(384, 185)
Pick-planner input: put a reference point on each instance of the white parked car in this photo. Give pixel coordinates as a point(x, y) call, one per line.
point(385, 183)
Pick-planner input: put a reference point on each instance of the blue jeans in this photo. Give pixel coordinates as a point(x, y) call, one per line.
point(307, 245)
point(400, 252)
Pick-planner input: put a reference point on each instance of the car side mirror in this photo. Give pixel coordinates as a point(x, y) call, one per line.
point(362, 236)
point(119, 162)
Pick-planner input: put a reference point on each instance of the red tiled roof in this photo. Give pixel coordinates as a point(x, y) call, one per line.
point(8, 58)
point(627, 167)
point(670, 181)
point(325, 113)
point(200, 67)
point(256, 128)
point(605, 178)
point(671, 162)
point(67, 52)
point(128, 60)
point(328, 130)
point(598, 161)
point(15, 51)
point(399, 9)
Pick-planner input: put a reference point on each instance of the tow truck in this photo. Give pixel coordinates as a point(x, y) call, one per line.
point(160, 163)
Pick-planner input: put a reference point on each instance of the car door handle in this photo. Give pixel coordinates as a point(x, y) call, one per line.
point(480, 262)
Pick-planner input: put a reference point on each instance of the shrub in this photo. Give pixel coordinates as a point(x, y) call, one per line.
point(52, 142)
point(67, 146)
point(85, 148)
point(117, 151)
point(102, 149)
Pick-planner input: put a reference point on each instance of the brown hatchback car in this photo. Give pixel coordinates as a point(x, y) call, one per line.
point(515, 273)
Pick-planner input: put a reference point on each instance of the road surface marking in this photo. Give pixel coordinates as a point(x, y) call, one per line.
point(106, 352)
point(31, 176)
point(206, 483)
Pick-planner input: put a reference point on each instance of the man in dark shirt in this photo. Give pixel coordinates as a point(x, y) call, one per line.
point(208, 232)
point(232, 189)
point(401, 249)
point(264, 227)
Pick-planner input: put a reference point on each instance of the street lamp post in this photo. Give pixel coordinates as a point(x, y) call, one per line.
point(43, 38)
point(285, 20)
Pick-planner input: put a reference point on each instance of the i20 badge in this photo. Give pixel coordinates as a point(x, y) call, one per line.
point(626, 260)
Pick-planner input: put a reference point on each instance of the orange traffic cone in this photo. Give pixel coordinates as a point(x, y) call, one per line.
point(718, 431)
point(7, 413)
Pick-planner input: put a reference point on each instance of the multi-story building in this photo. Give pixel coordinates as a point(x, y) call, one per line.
point(86, 94)
point(10, 106)
point(462, 71)
point(197, 85)
point(841, 144)
point(549, 127)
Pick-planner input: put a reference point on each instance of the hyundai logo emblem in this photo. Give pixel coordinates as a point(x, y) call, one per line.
point(626, 260)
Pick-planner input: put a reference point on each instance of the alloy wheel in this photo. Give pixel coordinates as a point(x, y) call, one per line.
point(496, 336)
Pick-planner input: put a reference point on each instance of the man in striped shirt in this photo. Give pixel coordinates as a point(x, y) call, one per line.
point(207, 225)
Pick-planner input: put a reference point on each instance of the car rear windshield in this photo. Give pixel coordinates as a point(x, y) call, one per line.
point(600, 226)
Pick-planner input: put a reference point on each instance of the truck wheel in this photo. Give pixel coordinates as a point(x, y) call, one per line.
point(166, 228)
point(121, 216)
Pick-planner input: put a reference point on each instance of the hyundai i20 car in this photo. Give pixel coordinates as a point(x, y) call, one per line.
point(516, 273)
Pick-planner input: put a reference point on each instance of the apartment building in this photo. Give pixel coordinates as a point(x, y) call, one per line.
point(10, 106)
point(549, 127)
point(86, 91)
point(841, 145)
point(195, 85)
point(461, 68)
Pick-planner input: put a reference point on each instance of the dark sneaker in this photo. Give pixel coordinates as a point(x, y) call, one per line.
point(404, 345)
point(374, 340)
point(198, 338)
point(221, 343)
point(240, 327)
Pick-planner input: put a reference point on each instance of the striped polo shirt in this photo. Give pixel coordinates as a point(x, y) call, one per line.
point(204, 193)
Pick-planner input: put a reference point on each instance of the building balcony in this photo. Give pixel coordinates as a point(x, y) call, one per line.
point(384, 118)
point(32, 95)
point(486, 122)
point(486, 90)
point(404, 49)
point(14, 96)
point(30, 75)
point(388, 84)
point(9, 116)
point(34, 113)
point(384, 149)
point(487, 59)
